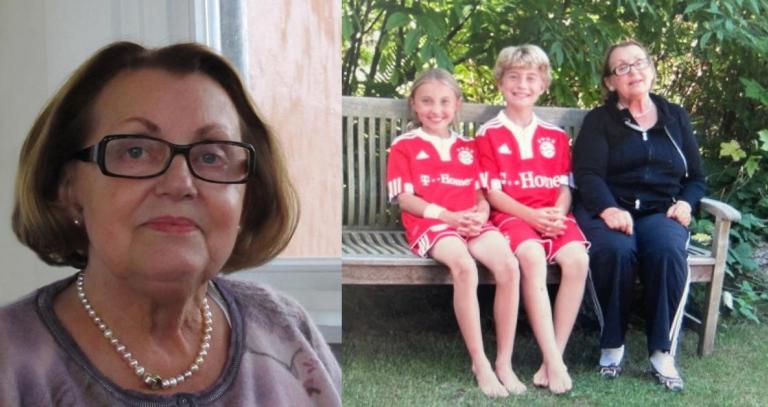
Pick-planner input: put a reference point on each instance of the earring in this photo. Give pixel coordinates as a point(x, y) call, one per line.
point(76, 221)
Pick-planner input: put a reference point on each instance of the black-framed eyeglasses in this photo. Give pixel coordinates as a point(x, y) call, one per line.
point(624, 69)
point(140, 156)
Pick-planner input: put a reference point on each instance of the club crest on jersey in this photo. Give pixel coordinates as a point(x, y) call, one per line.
point(547, 147)
point(466, 156)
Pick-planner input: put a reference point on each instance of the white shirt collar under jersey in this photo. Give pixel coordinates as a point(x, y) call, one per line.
point(523, 135)
point(441, 144)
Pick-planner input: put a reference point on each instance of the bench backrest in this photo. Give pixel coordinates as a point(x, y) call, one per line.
point(368, 127)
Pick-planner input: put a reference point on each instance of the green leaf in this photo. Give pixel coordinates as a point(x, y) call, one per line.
point(556, 52)
point(411, 40)
point(746, 310)
point(763, 136)
point(752, 165)
point(733, 150)
point(754, 90)
point(742, 253)
point(443, 60)
point(693, 7)
point(427, 52)
point(704, 39)
point(433, 24)
point(397, 19)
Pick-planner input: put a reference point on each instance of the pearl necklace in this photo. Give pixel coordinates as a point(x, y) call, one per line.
point(154, 382)
point(638, 115)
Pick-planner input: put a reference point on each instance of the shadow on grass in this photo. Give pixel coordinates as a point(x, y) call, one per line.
point(401, 346)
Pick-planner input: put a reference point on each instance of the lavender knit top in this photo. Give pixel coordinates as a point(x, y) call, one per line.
point(277, 357)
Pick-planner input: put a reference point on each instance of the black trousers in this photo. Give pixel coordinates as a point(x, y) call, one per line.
point(656, 253)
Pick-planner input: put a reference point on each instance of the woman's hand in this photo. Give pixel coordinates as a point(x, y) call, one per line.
point(681, 212)
point(618, 219)
point(549, 222)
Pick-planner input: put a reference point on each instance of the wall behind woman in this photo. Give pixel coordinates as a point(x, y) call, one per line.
point(302, 101)
point(294, 78)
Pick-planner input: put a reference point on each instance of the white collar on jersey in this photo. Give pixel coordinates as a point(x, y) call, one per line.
point(523, 135)
point(441, 144)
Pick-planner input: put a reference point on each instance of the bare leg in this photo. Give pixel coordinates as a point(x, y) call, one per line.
point(573, 261)
point(553, 372)
point(453, 252)
point(493, 251)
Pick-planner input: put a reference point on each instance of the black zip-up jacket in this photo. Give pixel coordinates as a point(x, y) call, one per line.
point(616, 164)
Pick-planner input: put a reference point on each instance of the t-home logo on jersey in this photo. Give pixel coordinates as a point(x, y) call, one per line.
point(446, 179)
point(528, 180)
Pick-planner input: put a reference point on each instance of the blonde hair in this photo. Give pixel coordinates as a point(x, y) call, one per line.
point(43, 223)
point(433, 74)
point(528, 56)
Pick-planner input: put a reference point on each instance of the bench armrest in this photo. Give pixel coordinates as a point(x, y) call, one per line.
point(720, 210)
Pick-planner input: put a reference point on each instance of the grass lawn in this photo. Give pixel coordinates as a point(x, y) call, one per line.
point(401, 347)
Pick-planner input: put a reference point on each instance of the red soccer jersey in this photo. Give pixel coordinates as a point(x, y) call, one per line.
point(528, 164)
point(442, 171)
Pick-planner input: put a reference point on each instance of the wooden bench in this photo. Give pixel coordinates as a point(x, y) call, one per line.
point(374, 250)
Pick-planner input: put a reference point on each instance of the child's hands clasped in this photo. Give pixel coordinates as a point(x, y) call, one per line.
point(549, 222)
point(467, 223)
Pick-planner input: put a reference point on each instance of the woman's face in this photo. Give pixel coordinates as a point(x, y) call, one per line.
point(173, 227)
point(636, 83)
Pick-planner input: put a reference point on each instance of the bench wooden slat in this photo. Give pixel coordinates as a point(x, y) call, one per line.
point(381, 169)
point(348, 176)
point(353, 246)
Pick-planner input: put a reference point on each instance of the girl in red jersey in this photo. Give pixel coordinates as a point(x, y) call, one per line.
point(432, 173)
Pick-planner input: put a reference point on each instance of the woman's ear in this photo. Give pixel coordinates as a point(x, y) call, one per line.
point(607, 82)
point(67, 193)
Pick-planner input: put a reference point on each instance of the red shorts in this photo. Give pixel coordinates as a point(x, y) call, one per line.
point(424, 243)
point(516, 231)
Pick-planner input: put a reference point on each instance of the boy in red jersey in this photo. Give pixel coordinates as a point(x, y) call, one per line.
point(432, 173)
point(526, 170)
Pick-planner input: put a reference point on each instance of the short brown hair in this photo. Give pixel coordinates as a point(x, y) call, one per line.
point(607, 60)
point(42, 222)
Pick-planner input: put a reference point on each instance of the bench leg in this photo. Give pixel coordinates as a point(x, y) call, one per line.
point(712, 311)
point(593, 299)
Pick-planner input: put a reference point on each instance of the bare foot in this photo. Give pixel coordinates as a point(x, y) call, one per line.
point(509, 379)
point(540, 378)
point(559, 379)
point(487, 381)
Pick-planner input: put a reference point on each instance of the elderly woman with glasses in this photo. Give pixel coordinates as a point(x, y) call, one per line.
point(638, 172)
point(152, 173)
